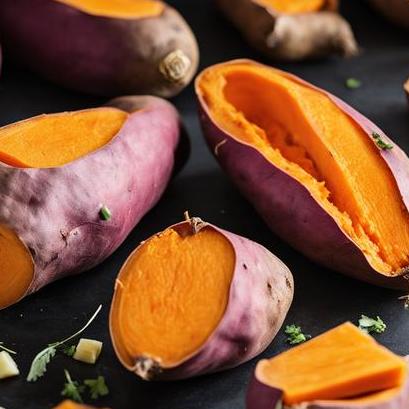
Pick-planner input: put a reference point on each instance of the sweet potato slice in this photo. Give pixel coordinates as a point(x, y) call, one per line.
point(348, 166)
point(73, 185)
point(182, 306)
point(343, 364)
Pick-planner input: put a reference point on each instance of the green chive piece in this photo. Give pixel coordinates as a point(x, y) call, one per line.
point(353, 83)
point(104, 213)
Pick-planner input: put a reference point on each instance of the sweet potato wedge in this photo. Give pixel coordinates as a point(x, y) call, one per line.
point(292, 30)
point(109, 47)
point(73, 186)
point(182, 305)
point(341, 369)
point(325, 179)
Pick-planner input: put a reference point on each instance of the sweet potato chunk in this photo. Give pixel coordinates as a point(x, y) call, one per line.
point(303, 132)
point(117, 8)
point(54, 140)
point(341, 363)
point(294, 6)
point(173, 293)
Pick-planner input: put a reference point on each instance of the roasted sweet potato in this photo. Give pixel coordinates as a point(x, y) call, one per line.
point(183, 307)
point(292, 30)
point(324, 178)
point(105, 47)
point(396, 11)
point(73, 185)
point(343, 368)
point(69, 404)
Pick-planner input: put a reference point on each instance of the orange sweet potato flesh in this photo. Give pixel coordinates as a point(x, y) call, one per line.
point(293, 6)
point(69, 404)
point(117, 8)
point(303, 132)
point(343, 362)
point(173, 293)
point(55, 140)
point(46, 141)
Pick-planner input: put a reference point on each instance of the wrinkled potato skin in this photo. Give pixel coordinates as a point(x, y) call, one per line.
point(291, 37)
point(98, 55)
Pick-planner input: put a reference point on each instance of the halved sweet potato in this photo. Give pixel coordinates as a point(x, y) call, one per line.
point(73, 185)
point(341, 369)
point(105, 47)
point(69, 404)
point(292, 30)
point(182, 305)
point(313, 167)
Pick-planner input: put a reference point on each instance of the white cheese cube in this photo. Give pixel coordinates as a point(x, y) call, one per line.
point(88, 350)
point(8, 367)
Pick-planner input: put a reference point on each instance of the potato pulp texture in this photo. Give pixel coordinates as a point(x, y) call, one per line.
point(54, 140)
point(293, 6)
point(171, 295)
point(341, 363)
point(125, 9)
point(46, 141)
point(304, 133)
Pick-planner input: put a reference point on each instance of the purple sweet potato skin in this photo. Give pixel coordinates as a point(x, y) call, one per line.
point(261, 396)
point(55, 211)
point(289, 209)
point(252, 318)
point(97, 55)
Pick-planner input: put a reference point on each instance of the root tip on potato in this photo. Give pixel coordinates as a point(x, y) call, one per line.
point(146, 368)
point(175, 66)
point(196, 222)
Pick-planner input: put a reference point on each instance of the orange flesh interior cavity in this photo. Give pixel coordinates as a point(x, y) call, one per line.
point(54, 140)
point(341, 363)
point(16, 268)
point(171, 295)
point(128, 9)
point(293, 6)
point(301, 131)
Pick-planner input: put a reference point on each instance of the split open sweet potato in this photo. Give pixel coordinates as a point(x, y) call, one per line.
point(106, 47)
point(343, 368)
point(292, 30)
point(69, 404)
point(74, 184)
point(396, 11)
point(324, 178)
point(196, 299)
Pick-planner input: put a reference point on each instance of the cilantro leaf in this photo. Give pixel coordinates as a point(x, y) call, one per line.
point(371, 325)
point(97, 387)
point(295, 335)
point(72, 389)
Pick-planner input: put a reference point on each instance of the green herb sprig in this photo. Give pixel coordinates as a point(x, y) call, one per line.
point(69, 350)
point(97, 387)
point(380, 142)
point(42, 359)
point(72, 389)
point(10, 351)
point(295, 335)
point(371, 325)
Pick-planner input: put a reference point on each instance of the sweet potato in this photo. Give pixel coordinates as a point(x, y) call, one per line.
point(109, 47)
point(73, 185)
point(292, 30)
point(396, 11)
point(69, 404)
point(182, 305)
point(324, 178)
point(341, 369)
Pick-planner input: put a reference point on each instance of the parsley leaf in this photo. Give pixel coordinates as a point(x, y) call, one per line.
point(371, 325)
point(69, 350)
point(295, 335)
point(97, 387)
point(72, 389)
point(39, 365)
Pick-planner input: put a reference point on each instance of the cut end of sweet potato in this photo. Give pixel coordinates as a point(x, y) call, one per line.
point(343, 363)
point(303, 132)
point(16, 268)
point(126, 9)
point(170, 297)
point(69, 404)
point(54, 140)
point(294, 6)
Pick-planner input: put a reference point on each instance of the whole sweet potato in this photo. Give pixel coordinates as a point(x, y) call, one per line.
point(292, 30)
point(116, 49)
point(324, 178)
point(64, 219)
point(196, 299)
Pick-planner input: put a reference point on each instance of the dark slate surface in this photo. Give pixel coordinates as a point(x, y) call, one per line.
point(323, 298)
